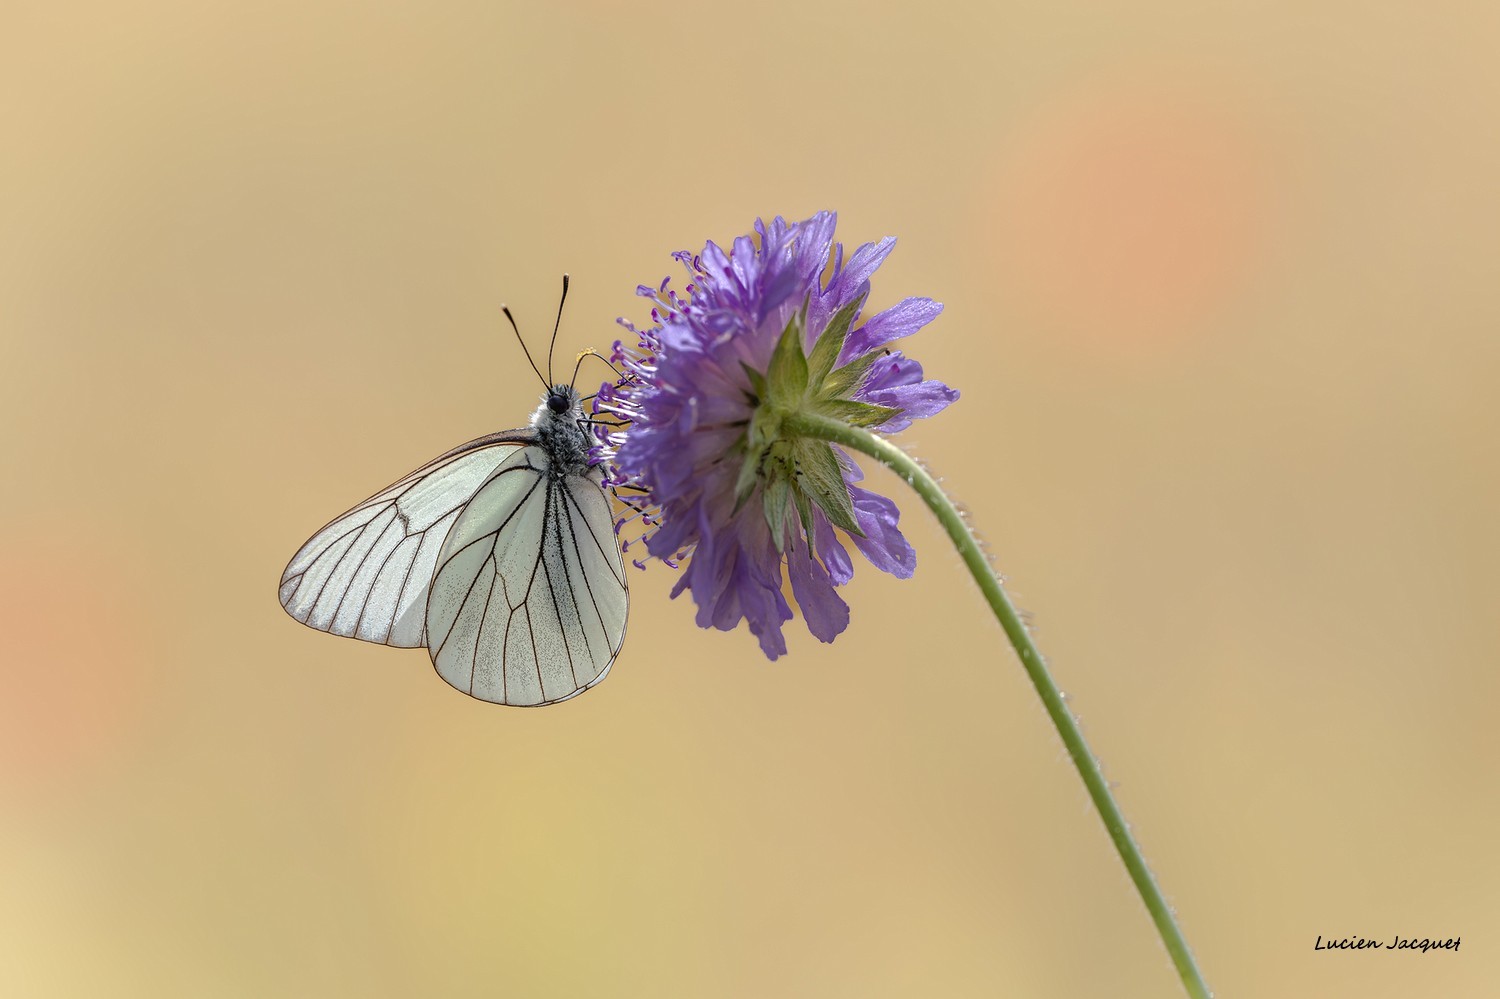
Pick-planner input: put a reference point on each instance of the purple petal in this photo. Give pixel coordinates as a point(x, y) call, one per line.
point(883, 544)
point(902, 319)
point(896, 381)
point(835, 557)
point(742, 259)
point(772, 642)
point(915, 403)
point(780, 286)
point(824, 611)
point(716, 265)
point(862, 263)
point(815, 242)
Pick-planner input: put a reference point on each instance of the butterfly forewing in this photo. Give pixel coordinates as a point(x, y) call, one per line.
point(366, 574)
point(527, 606)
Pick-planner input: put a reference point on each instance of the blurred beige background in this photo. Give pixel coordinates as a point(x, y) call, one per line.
point(1222, 302)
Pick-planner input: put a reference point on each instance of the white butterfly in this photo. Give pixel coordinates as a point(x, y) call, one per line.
point(500, 557)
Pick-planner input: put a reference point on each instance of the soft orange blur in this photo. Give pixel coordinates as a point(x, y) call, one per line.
point(77, 653)
point(1221, 303)
point(1129, 216)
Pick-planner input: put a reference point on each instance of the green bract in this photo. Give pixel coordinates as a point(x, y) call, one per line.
point(797, 472)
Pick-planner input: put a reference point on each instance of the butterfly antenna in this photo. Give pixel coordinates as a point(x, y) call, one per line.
point(546, 386)
point(555, 327)
point(592, 353)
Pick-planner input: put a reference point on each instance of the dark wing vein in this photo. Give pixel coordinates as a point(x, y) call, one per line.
point(593, 600)
point(484, 619)
point(552, 590)
point(583, 517)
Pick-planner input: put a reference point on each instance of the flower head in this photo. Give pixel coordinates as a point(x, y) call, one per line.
point(711, 460)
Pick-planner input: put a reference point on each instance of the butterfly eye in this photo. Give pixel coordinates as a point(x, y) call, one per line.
point(557, 402)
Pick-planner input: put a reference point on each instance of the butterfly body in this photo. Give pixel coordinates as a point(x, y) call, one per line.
point(498, 556)
point(558, 426)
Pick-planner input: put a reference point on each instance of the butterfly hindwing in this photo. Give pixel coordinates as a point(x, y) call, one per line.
point(596, 568)
point(527, 606)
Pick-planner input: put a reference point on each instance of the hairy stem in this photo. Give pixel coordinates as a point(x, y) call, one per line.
point(810, 425)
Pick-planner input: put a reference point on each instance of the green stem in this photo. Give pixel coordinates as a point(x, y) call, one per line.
point(823, 428)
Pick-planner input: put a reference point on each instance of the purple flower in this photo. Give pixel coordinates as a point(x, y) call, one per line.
point(708, 462)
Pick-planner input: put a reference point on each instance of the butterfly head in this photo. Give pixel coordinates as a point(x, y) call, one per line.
point(560, 399)
point(559, 426)
point(561, 407)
